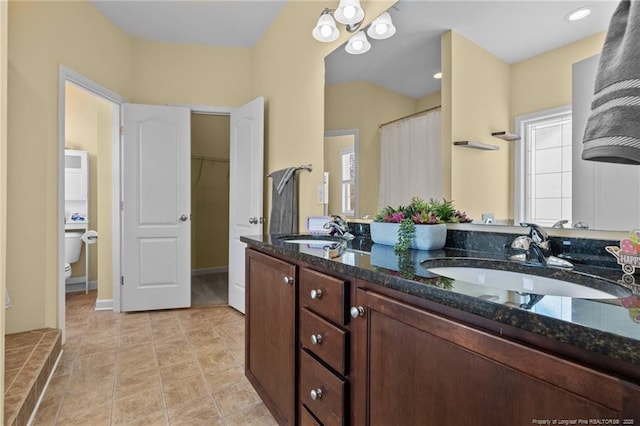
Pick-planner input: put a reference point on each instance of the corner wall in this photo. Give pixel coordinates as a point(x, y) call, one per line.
point(3, 180)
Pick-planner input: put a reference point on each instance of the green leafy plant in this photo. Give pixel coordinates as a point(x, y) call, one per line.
point(419, 212)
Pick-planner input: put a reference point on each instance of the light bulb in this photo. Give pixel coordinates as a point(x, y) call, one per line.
point(325, 30)
point(349, 11)
point(357, 45)
point(381, 28)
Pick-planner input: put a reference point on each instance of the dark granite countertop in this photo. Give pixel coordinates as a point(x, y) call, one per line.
point(608, 327)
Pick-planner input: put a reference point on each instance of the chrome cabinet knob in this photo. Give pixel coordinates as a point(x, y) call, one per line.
point(357, 311)
point(316, 339)
point(316, 294)
point(316, 394)
point(288, 280)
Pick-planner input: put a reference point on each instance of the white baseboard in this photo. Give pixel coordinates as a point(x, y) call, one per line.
point(104, 305)
point(75, 284)
point(212, 270)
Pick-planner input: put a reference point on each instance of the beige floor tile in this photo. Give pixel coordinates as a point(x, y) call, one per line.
point(80, 412)
point(136, 381)
point(212, 360)
point(236, 397)
point(179, 392)
point(92, 359)
point(225, 377)
point(174, 352)
point(176, 372)
point(256, 415)
point(142, 405)
point(196, 412)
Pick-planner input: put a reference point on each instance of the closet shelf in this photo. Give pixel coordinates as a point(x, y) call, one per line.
point(506, 136)
point(476, 145)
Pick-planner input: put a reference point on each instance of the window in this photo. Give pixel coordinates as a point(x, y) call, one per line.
point(545, 168)
point(348, 181)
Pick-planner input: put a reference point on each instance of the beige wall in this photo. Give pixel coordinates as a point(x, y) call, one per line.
point(3, 181)
point(209, 192)
point(480, 83)
point(288, 72)
point(43, 35)
point(364, 106)
point(186, 74)
point(544, 81)
point(431, 100)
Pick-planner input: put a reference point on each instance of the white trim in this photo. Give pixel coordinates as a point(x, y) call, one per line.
point(206, 109)
point(104, 305)
point(66, 74)
point(212, 270)
point(356, 144)
point(78, 284)
point(116, 194)
point(519, 156)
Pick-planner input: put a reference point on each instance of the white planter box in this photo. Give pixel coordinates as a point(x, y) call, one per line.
point(428, 237)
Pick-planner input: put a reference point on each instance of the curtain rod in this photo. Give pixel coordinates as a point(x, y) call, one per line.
point(409, 116)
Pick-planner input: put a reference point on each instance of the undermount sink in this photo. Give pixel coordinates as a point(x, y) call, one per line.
point(312, 240)
point(528, 283)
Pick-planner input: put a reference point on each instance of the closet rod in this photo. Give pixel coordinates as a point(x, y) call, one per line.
point(202, 158)
point(409, 116)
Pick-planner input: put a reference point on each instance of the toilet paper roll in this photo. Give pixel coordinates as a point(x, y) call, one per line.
point(90, 237)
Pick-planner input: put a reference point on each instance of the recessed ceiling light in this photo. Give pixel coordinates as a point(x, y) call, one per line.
point(437, 75)
point(578, 14)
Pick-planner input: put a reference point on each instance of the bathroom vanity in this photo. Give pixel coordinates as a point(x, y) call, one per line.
point(351, 338)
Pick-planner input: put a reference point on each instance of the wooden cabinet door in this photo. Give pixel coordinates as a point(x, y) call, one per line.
point(270, 333)
point(417, 368)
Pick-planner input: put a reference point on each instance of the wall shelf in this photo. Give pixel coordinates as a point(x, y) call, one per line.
point(506, 136)
point(476, 145)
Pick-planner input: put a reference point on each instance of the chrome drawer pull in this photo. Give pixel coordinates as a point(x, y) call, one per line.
point(316, 394)
point(357, 311)
point(316, 294)
point(316, 339)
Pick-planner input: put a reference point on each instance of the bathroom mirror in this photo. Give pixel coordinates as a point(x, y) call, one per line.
point(404, 65)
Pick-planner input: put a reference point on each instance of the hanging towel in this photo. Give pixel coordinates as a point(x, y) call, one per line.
point(284, 202)
point(612, 133)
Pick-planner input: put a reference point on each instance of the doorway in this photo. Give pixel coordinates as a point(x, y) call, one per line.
point(209, 209)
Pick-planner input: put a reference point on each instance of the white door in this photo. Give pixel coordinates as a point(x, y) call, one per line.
point(156, 193)
point(246, 177)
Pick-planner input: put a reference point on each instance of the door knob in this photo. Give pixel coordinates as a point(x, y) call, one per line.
point(183, 218)
point(253, 220)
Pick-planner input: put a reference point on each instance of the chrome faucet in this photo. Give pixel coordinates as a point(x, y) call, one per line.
point(536, 248)
point(339, 226)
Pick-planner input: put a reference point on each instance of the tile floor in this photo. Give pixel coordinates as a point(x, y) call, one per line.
point(176, 367)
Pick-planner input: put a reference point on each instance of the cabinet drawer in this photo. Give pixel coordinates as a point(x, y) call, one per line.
point(328, 389)
point(307, 419)
point(324, 294)
point(330, 341)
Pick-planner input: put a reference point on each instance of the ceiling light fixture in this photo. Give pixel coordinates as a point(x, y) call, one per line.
point(381, 27)
point(437, 75)
point(351, 14)
point(326, 30)
point(358, 44)
point(577, 14)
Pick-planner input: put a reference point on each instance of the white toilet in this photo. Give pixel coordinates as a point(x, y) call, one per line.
point(72, 248)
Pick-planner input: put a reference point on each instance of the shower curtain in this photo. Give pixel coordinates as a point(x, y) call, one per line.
point(410, 160)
